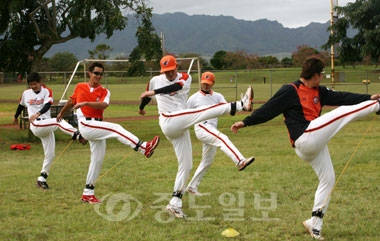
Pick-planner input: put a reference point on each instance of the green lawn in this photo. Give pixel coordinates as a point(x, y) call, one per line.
point(267, 201)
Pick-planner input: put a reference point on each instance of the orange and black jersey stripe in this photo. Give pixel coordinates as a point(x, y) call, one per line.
point(300, 105)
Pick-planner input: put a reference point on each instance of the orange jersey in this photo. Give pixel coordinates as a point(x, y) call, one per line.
point(84, 93)
point(309, 100)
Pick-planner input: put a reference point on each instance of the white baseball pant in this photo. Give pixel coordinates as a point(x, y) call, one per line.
point(44, 129)
point(311, 146)
point(96, 132)
point(211, 139)
point(175, 126)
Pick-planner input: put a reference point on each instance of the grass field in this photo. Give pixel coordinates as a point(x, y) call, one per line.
point(267, 201)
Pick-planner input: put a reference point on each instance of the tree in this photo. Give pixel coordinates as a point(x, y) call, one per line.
point(303, 51)
point(218, 59)
point(137, 67)
point(253, 61)
point(29, 28)
point(349, 52)
point(286, 62)
point(269, 61)
point(63, 61)
point(236, 60)
point(101, 51)
point(363, 16)
point(149, 44)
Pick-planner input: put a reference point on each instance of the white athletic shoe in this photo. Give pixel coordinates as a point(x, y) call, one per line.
point(247, 99)
point(193, 191)
point(176, 211)
point(244, 163)
point(314, 227)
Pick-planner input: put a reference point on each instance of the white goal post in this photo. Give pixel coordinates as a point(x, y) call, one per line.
point(191, 59)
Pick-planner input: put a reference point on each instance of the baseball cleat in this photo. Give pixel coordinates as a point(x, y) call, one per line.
point(176, 211)
point(75, 135)
point(79, 137)
point(42, 185)
point(91, 199)
point(247, 99)
point(315, 233)
point(151, 145)
point(82, 140)
point(193, 191)
point(244, 163)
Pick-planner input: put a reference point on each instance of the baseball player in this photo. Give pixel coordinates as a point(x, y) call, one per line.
point(207, 132)
point(38, 99)
point(301, 103)
point(90, 100)
point(171, 90)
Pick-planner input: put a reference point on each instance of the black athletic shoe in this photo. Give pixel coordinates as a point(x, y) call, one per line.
point(82, 140)
point(79, 137)
point(42, 185)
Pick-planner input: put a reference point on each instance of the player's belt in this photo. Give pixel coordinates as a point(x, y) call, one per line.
point(40, 119)
point(96, 119)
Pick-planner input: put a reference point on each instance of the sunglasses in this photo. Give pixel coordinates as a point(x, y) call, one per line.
point(98, 73)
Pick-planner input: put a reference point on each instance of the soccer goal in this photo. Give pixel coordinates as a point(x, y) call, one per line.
point(190, 65)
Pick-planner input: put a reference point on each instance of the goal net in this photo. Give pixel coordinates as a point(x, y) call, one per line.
point(191, 65)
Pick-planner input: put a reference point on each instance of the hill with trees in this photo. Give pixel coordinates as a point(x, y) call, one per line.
point(206, 35)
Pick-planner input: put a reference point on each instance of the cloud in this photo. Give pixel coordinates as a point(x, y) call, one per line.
point(290, 13)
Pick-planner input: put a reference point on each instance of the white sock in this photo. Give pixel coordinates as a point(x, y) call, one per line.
point(239, 105)
point(87, 192)
point(142, 151)
point(41, 179)
point(176, 201)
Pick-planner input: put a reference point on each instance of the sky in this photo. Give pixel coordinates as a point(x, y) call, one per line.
point(289, 13)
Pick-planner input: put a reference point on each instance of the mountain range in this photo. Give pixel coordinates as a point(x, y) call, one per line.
point(205, 35)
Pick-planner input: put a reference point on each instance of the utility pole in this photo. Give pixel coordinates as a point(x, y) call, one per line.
point(333, 4)
point(162, 43)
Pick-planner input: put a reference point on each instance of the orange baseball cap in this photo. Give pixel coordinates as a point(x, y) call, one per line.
point(208, 78)
point(168, 63)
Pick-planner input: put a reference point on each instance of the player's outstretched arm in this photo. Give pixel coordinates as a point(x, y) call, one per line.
point(235, 127)
point(68, 105)
point(18, 112)
point(144, 101)
point(142, 112)
point(147, 93)
point(101, 105)
point(375, 96)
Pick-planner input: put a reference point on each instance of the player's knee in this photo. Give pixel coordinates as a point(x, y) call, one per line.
point(328, 181)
